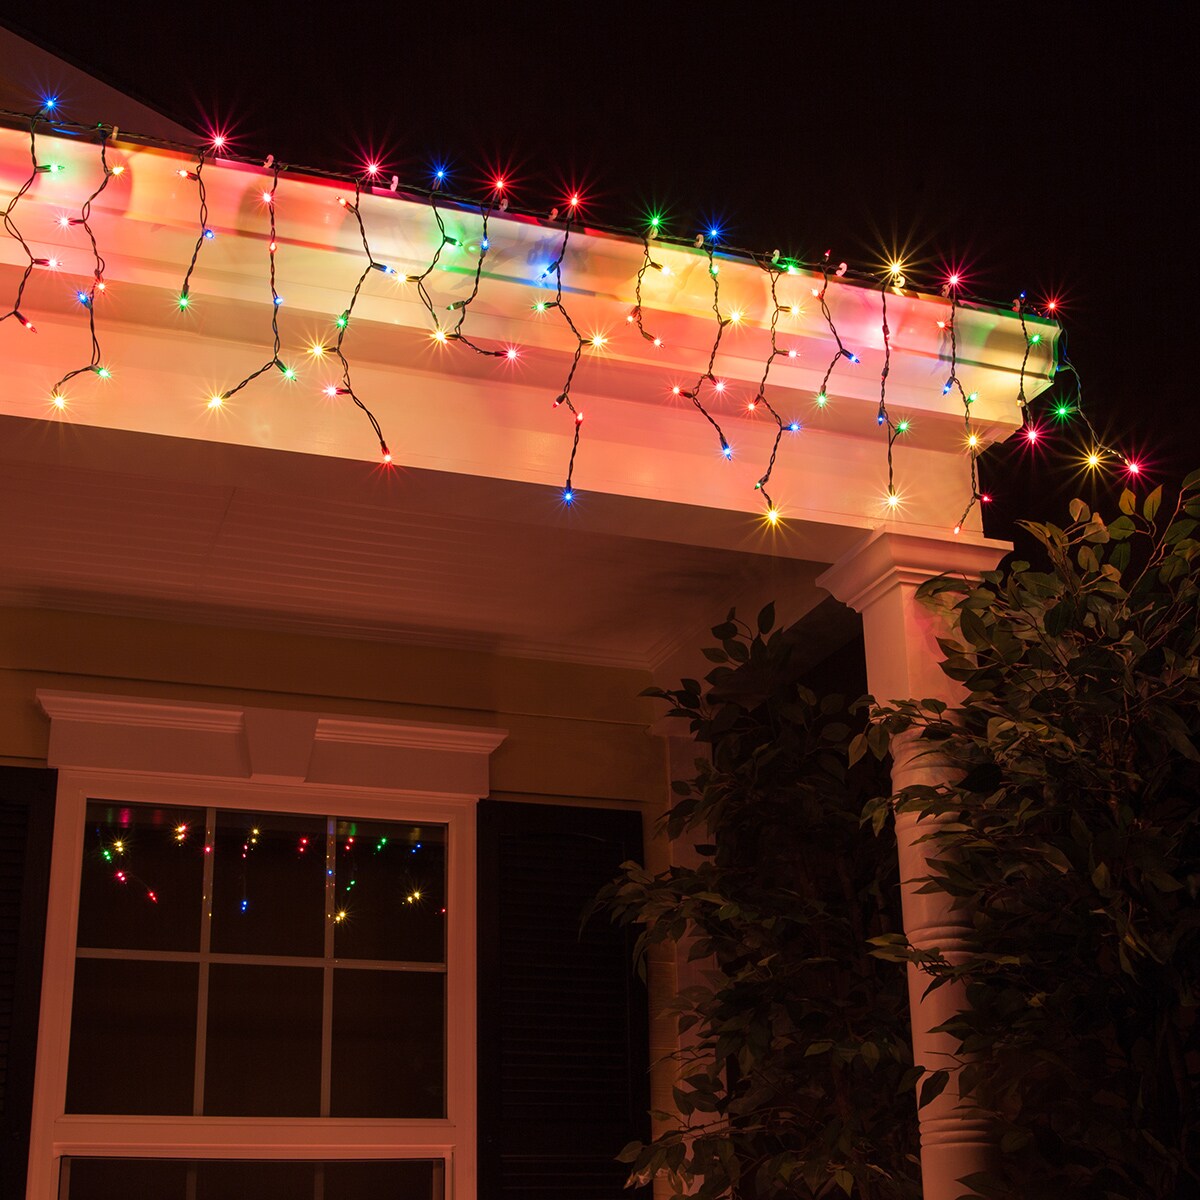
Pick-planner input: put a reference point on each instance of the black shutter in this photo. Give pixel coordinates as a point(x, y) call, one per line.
point(563, 1021)
point(26, 829)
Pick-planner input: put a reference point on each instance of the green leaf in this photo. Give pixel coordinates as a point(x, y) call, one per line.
point(1127, 504)
point(1150, 507)
point(934, 1085)
point(844, 1179)
point(1079, 510)
point(766, 619)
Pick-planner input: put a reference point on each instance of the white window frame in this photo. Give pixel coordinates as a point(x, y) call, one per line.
point(267, 760)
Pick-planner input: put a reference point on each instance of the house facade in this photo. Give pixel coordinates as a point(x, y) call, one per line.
point(330, 581)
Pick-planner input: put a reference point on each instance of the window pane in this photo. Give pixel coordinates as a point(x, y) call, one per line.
point(133, 1036)
point(263, 1054)
point(142, 877)
point(269, 884)
point(383, 1181)
point(391, 884)
point(166, 1179)
point(243, 1180)
point(123, 1179)
point(388, 1044)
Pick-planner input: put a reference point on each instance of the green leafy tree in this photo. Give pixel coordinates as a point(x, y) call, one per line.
point(798, 1080)
point(1071, 837)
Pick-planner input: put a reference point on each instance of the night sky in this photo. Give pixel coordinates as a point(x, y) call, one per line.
point(1031, 149)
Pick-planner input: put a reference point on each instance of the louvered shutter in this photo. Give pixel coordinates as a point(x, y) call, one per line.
point(563, 1017)
point(26, 827)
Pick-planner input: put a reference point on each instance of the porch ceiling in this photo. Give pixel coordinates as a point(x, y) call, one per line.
point(264, 539)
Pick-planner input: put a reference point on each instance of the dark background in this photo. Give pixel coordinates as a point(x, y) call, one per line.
point(1050, 152)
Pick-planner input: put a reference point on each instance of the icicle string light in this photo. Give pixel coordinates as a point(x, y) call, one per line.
point(842, 352)
point(760, 397)
point(455, 332)
point(205, 233)
point(272, 245)
point(14, 231)
point(87, 297)
point(893, 428)
point(1068, 408)
point(972, 440)
point(694, 392)
point(564, 394)
point(461, 306)
point(648, 264)
point(343, 325)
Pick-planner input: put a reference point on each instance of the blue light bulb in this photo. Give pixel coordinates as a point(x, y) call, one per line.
point(794, 427)
point(210, 234)
point(50, 103)
point(727, 450)
point(568, 495)
point(854, 358)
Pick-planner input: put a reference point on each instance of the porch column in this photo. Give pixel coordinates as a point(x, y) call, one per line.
point(879, 579)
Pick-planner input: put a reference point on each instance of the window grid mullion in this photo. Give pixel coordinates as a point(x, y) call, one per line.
point(327, 970)
point(206, 907)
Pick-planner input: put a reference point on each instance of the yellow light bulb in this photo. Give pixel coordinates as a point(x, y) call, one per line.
point(772, 516)
point(599, 340)
point(58, 400)
point(215, 401)
point(973, 440)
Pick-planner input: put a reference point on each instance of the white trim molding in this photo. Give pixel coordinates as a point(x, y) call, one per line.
point(152, 750)
point(267, 745)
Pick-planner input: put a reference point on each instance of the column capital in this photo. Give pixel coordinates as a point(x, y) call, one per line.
point(879, 578)
point(889, 558)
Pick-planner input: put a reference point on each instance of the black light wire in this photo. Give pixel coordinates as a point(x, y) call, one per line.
point(564, 395)
point(205, 232)
point(10, 224)
point(707, 376)
point(274, 360)
point(774, 273)
point(88, 298)
point(343, 324)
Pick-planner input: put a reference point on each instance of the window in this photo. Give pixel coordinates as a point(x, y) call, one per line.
point(267, 977)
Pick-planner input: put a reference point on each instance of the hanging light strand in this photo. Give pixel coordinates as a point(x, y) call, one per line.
point(893, 428)
point(272, 245)
point(774, 272)
point(564, 395)
point(456, 334)
point(205, 233)
point(694, 393)
point(87, 297)
point(842, 352)
point(648, 264)
point(343, 326)
point(13, 230)
point(972, 439)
